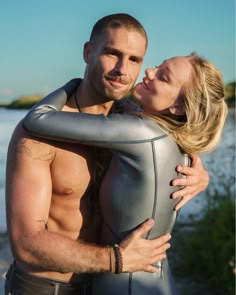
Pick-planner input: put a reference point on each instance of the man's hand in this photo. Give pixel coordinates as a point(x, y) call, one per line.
point(196, 181)
point(139, 253)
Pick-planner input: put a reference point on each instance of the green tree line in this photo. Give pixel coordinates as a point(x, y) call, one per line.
point(27, 101)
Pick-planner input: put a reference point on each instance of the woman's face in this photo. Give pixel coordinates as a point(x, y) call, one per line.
point(161, 87)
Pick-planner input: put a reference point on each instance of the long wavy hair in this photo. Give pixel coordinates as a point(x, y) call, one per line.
point(200, 129)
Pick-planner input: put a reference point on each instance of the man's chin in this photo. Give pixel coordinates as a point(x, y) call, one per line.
point(114, 95)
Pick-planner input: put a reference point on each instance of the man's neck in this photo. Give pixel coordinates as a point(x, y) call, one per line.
point(89, 102)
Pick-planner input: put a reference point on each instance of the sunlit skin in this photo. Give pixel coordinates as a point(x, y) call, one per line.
point(114, 59)
point(158, 94)
point(160, 90)
point(51, 179)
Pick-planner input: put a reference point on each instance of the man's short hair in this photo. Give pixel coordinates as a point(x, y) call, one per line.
point(117, 20)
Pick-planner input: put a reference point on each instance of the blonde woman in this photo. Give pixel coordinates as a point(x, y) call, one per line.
point(183, 112)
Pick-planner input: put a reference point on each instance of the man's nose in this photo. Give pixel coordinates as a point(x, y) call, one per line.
point(121, 67)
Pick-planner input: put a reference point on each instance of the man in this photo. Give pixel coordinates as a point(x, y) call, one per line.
point(51, 220)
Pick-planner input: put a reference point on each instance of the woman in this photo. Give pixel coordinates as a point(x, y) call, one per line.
point(183, 112)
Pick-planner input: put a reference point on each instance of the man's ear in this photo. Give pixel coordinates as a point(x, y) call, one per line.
point(178, 108)
point(87, 51)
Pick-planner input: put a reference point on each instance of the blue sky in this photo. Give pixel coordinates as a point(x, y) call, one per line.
point(42, 41)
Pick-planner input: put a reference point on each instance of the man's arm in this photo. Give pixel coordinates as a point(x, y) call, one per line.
point(28, 199)
point(197, 178)
point(196, 181)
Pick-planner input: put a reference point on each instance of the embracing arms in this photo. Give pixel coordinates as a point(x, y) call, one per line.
point(28, 203)
point(37, 123)
point(196, 181)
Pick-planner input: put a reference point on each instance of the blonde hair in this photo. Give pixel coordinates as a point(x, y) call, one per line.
point(205, 109)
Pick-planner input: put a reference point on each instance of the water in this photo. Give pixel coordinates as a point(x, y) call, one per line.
point(8, 121)
point(220, 163)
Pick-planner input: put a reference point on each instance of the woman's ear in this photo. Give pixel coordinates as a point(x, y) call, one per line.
point(87, 51)
point(178, 108)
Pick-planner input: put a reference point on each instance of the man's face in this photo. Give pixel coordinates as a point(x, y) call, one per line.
point(113, 62)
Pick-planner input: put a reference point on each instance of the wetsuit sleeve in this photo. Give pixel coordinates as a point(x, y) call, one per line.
point(47, 120)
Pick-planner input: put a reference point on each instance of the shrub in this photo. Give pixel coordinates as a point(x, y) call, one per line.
point(206, 253)
point(24, 102)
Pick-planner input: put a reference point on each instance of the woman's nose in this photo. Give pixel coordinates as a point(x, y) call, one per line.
point(150, 73)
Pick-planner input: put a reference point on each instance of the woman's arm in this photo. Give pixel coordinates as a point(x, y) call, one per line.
point(47, 120)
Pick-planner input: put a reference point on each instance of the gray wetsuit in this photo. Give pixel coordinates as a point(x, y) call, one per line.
point(136, 185)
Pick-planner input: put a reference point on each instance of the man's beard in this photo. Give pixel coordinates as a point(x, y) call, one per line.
point(115, 93)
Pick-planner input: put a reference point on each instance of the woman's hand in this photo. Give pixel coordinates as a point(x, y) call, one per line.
point(196, 181)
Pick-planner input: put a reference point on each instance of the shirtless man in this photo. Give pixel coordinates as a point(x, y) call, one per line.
point(51, 223)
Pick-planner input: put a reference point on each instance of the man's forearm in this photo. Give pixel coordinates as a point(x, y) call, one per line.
point(53, 252)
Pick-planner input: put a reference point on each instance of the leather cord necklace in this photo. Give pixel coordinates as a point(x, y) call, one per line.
point(76, 102)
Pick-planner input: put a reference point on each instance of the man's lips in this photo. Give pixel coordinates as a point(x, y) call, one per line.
point(118, 81)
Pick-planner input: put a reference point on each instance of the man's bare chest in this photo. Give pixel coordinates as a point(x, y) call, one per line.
point(72, 169)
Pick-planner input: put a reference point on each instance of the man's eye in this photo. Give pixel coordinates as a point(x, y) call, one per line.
point(111, 53)
point(134, 60)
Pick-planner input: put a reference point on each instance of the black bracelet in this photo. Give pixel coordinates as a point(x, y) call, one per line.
point(118, 259)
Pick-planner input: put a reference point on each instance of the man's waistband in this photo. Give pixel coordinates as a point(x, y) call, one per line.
point(23, 283)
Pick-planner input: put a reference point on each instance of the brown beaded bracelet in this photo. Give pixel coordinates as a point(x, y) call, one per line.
point(112, 260)
point(118, 259)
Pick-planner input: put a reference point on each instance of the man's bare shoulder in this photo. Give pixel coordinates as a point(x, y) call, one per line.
point(22, 143)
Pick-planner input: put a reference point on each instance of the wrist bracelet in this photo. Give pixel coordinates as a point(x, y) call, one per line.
point(118, 259)
point(112, 260)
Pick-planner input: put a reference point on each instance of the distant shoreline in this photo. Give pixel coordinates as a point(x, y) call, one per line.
point(23, 102)
point(18, 105)
point(27, 101)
